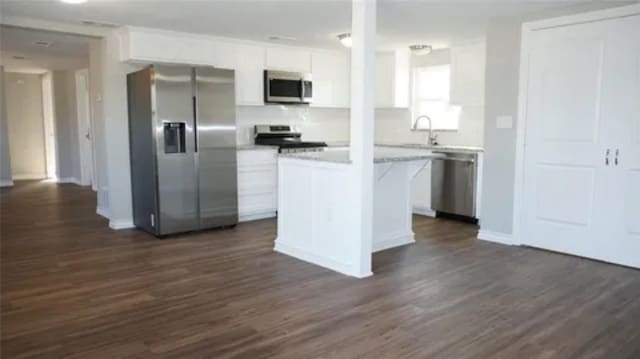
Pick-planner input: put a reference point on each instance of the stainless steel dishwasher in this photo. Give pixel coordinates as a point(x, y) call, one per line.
point(453, 184)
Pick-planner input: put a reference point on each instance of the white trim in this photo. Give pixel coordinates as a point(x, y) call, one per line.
point(102, 211)
point(527, 29)
point(29, 176)
point(325, 262)
point(6, 183)
point(393, 242)
point(121, 224)
point(496, 237)
point(32, 23)
point(247, 217)
point(581, 18)
point(424, 211)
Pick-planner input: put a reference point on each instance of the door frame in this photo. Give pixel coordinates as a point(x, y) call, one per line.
point(528, 28)
point(85, 128)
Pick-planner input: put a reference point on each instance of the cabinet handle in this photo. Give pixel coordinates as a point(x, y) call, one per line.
point(616, 159)
point(606, 157)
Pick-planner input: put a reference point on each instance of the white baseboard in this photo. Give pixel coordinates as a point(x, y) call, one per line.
point(104, 212)
point(496, 237)
point(247, 217)
point(8, 183)
point(121, 224)
point(69, 180)
point(424, 211)
point(398, 241)
point(317, 260)
point(29, 176)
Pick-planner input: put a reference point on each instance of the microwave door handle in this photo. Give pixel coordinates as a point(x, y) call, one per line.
point(302, 90)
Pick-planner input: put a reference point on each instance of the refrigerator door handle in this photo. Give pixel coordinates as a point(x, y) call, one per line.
point(195, 123)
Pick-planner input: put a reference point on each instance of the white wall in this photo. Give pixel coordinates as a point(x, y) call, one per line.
point(26, 125)
point(501, 99)
point(5, 158)
point(66, 122)
point(116, 131)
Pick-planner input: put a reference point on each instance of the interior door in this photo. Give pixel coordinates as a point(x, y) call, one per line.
point(620, 238)
point(575, 117)
point(216, 147)
point(172, 94)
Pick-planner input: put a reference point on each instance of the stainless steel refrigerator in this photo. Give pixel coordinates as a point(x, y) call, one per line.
point(182, 137)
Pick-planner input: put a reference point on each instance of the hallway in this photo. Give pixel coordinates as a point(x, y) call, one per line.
point(72, 287)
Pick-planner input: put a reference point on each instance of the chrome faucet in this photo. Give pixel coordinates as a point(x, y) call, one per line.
point(432, 139)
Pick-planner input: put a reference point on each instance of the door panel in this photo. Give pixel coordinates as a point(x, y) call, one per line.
point(216, 148)
point(177, 195)
point(562, 166)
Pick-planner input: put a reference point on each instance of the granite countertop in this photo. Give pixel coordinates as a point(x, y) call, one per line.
point(380, 155)
point(252, 147)
point(416, 146)
point(448, 148)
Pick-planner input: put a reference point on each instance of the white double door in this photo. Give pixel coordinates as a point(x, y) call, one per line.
point(582, 148)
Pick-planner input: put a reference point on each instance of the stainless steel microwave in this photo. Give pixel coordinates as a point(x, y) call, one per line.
point(287, 87)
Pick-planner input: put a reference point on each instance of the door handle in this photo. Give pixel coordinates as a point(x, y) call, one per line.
point(615, 161)
point(606, 157)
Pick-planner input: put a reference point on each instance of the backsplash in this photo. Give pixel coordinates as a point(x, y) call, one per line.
point(332, 125)
point(316, 124)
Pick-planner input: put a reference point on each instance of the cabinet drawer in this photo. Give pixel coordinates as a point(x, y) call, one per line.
point(257, 158)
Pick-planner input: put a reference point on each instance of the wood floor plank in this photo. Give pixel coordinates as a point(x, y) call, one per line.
point(73, 288)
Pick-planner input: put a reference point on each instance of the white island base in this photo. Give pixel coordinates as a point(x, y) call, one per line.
point(315, 219)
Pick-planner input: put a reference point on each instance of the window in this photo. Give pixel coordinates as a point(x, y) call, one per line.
point(431, 97)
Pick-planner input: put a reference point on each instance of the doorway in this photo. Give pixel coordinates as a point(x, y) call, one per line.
point(85, 135)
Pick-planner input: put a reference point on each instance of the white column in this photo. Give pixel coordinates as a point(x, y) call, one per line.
point(363, 34)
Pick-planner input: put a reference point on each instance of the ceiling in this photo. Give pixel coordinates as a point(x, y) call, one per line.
point(65, 52)
point(313, 23)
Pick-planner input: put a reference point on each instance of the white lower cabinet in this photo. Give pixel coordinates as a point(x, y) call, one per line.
point(257, 184)
point(421, 192)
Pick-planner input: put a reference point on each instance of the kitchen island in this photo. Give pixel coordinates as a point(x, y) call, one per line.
point(315, 222)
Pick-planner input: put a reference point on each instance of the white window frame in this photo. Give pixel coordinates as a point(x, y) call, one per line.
point(443, 100)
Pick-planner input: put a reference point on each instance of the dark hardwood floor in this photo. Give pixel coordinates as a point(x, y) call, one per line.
point(71, 287)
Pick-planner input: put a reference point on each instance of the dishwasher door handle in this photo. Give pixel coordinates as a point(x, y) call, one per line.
point(464, 160)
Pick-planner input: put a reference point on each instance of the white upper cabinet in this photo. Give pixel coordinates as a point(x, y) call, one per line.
point(331, 79)
point(288, 59)
point(392, 79)
point(467, 75)
point(249, 65)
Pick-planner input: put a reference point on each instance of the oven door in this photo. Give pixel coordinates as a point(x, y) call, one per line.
point(287, 87)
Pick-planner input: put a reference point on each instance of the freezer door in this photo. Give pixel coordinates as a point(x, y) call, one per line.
point(216, 147)
point(172, 94)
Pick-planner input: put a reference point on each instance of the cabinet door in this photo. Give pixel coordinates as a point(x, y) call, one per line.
point(288, 59)
point(249, 75)
point(385, 79)
point(467, 75)
point(421, 192)
point(331, 79)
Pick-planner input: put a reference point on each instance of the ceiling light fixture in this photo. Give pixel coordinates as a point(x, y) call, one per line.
point(421, 50)
point(74, 1)
point(345, 39)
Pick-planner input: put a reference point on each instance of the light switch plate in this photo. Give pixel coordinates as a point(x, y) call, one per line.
point(504, 122)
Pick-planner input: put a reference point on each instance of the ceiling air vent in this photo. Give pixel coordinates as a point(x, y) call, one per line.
point(42, 43)
point(17, 57)
point(98, 23)
point(281, 38)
